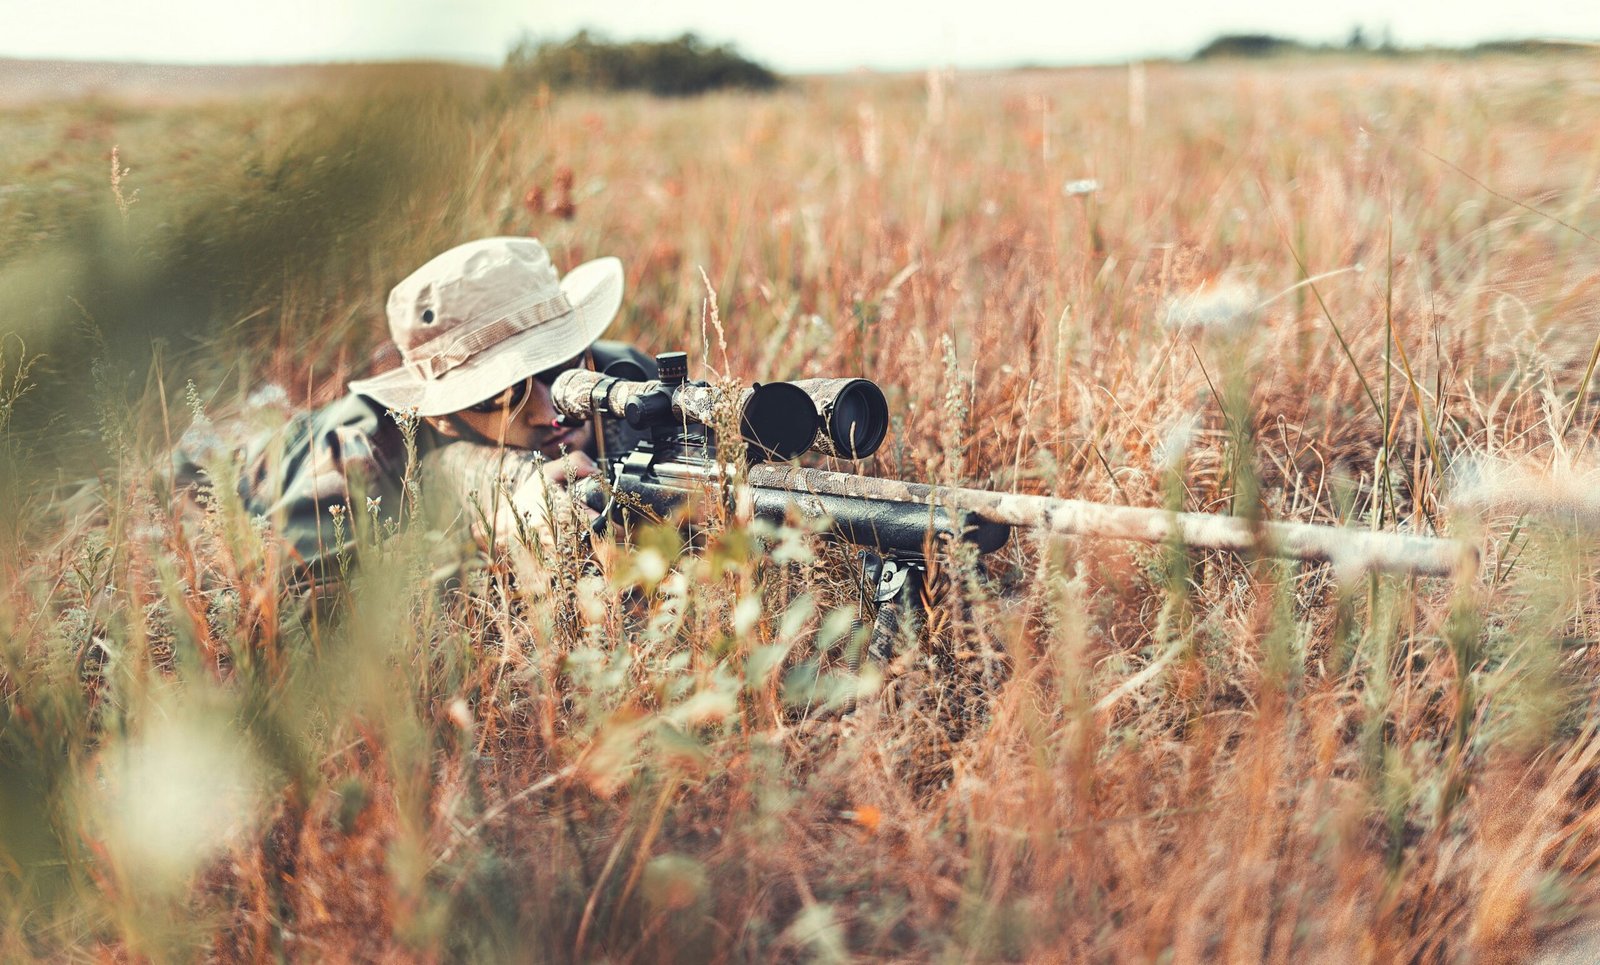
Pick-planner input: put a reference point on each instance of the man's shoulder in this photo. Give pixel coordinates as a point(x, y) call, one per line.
point(349, 433)
point(349, 415)
point(350, 409)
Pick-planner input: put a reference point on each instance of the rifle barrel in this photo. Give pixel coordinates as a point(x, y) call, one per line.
point(1350, 550)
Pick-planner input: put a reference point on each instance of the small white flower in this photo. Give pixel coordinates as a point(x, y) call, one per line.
point(1223, 307)
point(271, 394)
point(200, 440)
point(1175, 443)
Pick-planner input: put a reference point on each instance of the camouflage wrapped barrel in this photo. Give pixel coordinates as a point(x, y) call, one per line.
point(1351, 551)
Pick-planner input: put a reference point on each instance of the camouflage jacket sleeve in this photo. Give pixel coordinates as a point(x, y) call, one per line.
point(343, 454)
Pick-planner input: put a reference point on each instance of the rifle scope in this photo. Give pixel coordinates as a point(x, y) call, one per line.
point(779, 420)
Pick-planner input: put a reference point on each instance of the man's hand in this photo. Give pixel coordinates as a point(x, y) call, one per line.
point(570, 468)
point(516, 499)
point(543, 501)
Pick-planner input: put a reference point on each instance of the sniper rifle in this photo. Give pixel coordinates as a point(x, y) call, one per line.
point(895, 522)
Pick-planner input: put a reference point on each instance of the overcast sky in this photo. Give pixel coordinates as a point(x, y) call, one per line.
point(810, 35)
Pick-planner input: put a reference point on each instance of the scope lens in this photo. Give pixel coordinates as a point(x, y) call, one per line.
point(850, 416)
point(859, 420)
point(779, 420)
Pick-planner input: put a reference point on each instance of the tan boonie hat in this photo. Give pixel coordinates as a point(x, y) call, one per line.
point(485, 315)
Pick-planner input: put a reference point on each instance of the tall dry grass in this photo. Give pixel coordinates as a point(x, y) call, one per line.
point(1096, 752)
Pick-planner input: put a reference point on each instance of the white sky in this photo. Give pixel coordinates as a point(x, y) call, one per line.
point(794, 36)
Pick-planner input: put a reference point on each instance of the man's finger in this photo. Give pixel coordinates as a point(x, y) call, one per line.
point(572, 466)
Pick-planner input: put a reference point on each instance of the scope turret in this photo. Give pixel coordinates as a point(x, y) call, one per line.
point(673, 368)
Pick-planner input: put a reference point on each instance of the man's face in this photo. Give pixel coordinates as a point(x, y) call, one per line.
point(521, 417)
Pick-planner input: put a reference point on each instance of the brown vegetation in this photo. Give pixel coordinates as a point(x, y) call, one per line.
point(1099, 752)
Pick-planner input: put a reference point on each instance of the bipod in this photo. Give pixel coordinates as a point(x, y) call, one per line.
point(893, 590)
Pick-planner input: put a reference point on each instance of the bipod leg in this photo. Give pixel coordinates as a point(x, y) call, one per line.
point(892, 588)
point(891, 591)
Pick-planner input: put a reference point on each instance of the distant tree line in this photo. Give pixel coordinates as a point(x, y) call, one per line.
point(1269, 45)
point(679, 67)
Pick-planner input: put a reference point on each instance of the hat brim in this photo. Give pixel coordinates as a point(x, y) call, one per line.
point(595, 290)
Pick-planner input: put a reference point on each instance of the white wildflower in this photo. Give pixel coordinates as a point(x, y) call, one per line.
point(1225, 308)
point(1486, 484)
point(268, 395)
point(1175, 443)
point(201, 441)
point(175, 795)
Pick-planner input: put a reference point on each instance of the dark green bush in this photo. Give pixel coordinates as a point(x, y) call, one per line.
point(681, 67)
point(1248, 45)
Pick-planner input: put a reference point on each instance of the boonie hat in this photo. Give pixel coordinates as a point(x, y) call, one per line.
point(486, 315)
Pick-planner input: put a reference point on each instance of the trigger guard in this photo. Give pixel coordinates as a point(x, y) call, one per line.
point(592, 494)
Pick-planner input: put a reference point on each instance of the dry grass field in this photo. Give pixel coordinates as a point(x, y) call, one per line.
point(1089, 283)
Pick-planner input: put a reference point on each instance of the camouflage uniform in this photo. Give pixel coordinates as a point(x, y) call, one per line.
point(353, 450)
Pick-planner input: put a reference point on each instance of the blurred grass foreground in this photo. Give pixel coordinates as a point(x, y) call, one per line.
point(1090, 283)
